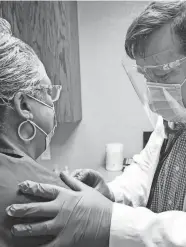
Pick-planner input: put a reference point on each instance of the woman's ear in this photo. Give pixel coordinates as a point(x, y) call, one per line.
point(22, 106)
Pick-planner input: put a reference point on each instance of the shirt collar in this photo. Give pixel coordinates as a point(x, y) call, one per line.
point(8, 147)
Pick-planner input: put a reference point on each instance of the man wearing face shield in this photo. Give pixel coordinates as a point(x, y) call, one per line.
point(147, 202)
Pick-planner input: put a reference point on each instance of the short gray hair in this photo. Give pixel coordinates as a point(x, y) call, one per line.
point(155, 15)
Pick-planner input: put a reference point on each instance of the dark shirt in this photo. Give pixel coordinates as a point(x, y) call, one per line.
point(170, 187)
point(15, 167)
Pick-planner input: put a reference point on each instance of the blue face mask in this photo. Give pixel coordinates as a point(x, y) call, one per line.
point(49, 135)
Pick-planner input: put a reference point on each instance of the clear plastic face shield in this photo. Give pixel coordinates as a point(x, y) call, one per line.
point(159, 88)
point(138, 83)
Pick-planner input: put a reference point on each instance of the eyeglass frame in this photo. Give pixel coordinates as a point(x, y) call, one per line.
point(166, 66)
point(40, 87)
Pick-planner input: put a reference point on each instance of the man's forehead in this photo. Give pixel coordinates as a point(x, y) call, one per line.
point(162, 47)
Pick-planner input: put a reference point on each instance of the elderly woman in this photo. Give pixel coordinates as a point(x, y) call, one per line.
point(27, 123)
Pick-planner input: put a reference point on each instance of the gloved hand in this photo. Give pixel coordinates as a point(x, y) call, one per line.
point(93, 179)
point(79, 218)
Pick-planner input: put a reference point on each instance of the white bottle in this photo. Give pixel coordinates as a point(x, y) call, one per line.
point(114, 156)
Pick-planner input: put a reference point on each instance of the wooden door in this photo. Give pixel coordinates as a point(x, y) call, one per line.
point(51, 29)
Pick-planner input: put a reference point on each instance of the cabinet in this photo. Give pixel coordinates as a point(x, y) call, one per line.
point(51, 29)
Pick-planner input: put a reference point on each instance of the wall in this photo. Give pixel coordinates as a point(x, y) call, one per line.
point(111, 110)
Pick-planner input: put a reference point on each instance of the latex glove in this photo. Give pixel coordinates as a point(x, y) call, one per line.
point(94, 179)
point(79, 218)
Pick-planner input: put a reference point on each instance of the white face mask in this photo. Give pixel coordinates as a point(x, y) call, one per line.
point(50, 135)
point(166, 100)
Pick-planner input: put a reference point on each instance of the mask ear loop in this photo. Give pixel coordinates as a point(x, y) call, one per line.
point(19, 131)
point(183, 83)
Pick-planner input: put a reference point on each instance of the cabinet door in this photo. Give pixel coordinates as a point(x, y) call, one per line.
point(51, 29)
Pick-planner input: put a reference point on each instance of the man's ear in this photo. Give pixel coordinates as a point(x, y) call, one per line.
point(22, 106)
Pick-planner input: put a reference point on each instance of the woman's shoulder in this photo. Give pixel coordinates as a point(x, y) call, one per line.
point(15, 170)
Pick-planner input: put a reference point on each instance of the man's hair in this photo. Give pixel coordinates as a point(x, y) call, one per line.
point(152, 18)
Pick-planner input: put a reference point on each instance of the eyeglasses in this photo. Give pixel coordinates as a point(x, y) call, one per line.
point(52, 90)
point(160, 73)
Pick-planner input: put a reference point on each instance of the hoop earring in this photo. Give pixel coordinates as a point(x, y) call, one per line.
point(19, 131)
